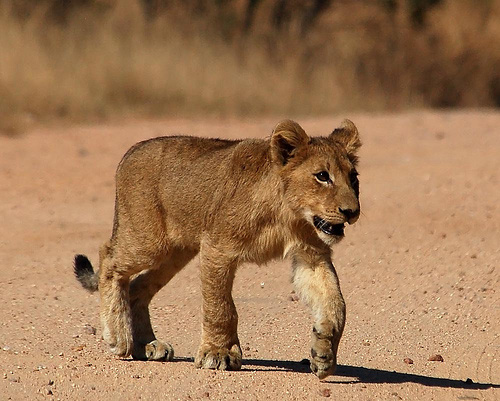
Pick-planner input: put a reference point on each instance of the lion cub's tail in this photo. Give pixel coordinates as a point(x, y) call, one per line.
point(85, 274)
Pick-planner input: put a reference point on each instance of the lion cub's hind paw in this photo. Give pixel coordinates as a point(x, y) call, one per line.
point(219, 358)
point(159, 351)
point(153, 351)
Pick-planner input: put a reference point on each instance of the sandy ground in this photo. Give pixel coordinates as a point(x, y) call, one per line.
point(419, 271)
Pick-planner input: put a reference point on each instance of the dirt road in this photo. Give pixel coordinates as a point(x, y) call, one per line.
point(419, 272)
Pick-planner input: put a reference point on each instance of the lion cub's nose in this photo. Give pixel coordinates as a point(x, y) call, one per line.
point(350, 214)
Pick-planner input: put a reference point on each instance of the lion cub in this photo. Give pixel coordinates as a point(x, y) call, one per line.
point(231, 202)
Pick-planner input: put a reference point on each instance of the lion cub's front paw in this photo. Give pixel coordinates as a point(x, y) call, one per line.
point(323, 359)
point(210, 357)
point(153, 351)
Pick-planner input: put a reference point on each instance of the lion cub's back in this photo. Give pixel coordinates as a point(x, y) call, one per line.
point(173, 156)
point(173, 176)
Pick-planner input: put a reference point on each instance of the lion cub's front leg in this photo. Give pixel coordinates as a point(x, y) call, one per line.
point(220, 346)
point(316, 281)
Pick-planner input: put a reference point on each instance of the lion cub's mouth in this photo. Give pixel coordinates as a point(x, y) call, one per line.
point(328, 228)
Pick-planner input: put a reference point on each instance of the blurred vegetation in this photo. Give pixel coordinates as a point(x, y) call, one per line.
point(88, 59)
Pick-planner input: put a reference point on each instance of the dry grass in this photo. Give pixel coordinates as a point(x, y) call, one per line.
point(99, 64)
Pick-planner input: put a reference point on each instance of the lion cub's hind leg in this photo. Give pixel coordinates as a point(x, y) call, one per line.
point(118, 264)
point(115, 306)
point(142, 289)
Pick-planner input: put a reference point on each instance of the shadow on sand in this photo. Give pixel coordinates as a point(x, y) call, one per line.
point(363, 375)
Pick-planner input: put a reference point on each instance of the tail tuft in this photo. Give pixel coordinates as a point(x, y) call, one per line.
point(84, 273)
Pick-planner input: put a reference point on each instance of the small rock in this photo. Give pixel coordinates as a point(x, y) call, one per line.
point(206, 394)
point(325, 392)
point(51, 382)
point(78, 348)
point(247, 348)
point(293, 297)
point(89, 329)
point(82, 152)
point(262, 285)
point(14, 379)
point(47, 391)
point(6, 348)
point(437, 358)
point(408, 361)
point(305, 361)
point(469, 381)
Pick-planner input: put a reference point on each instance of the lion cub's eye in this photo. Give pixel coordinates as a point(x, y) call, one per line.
point(323, 176)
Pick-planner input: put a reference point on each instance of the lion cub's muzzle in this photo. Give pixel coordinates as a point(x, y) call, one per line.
point(327, 227)
point(336, 229)
point(350, 215)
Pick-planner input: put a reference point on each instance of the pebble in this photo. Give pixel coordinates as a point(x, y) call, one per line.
point(293, 297)
point(408, 361)
point(89, 329)
point(325, 392)
point(437, 358)
point(83, 152)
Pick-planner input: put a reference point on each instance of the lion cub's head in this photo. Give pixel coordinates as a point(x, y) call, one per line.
point(319, 176)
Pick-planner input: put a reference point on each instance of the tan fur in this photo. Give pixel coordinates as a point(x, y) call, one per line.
point(231, 202)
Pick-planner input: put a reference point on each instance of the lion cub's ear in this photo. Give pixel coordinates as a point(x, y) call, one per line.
point(287, 137)
point(347, 134)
